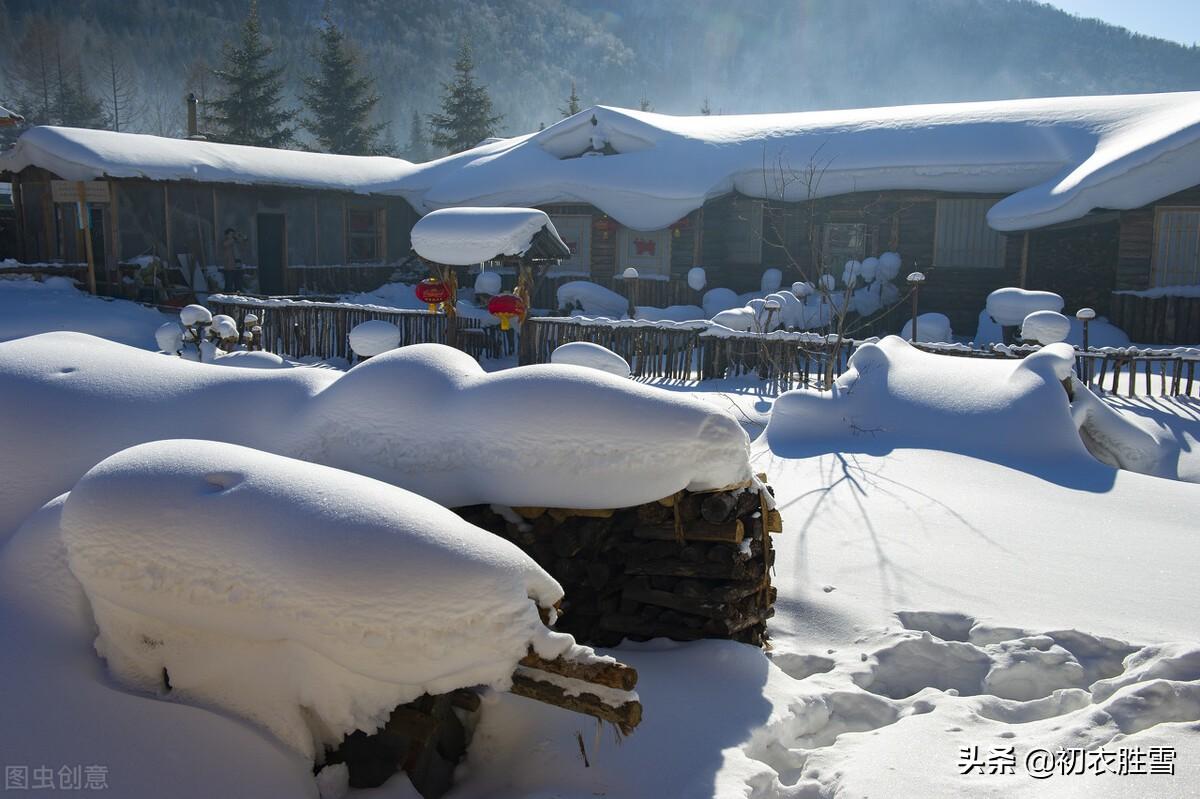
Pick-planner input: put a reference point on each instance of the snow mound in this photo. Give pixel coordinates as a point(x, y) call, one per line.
point(720, 299)
point(1045, 327)
point(1010, 306)
point(374, 337)
point(931, 327)
point(593, 356)
point(465, 236)
point(672, 313)
point(893, 395)
point(29, 307)
point(488, 283)
point(427, 418)
point(772, 279)
point(697, 278)
point(557, 436)
point(592, 298)
point(1101, 333)
point(342, 598)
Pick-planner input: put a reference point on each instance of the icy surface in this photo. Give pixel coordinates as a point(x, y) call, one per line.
point(77, 154)
point(465, 236)
point(1058, 157)
point(1010, 306)
point(593, 356)
point(343, 598)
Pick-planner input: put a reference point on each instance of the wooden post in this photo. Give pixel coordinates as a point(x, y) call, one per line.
point(1024, 260)
point(167, 226)
point(85, 223)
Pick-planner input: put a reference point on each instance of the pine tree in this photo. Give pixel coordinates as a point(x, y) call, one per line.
point(644, 104)
point(706, 109)
point(572, 108)
point(418, 145)
point(339, 99)
point(466, 117)
point(249, 111)
point(74, 105)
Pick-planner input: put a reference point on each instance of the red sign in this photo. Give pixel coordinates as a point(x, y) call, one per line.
point(645, 246)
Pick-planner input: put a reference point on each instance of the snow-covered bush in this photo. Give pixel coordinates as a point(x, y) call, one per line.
point(488, 283)
point(1009, 306)
point(696, 278)
point(592, 299)
point(1045, 327)
point(374, 337)
point(772, 279)
point(931, 328)
point(593, 356)
point(719, 299)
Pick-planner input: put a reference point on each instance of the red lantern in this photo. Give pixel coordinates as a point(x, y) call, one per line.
point(680, 226)
point(432, 292)
point(605, 225)
point(506, 306)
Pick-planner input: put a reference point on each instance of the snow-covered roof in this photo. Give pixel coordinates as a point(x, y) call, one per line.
point(9, 117)
point(77, 154)
point(1059, 158)
point(465, 236)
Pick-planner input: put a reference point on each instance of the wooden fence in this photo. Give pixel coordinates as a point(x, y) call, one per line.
point(301, 329)
point(1170, 320)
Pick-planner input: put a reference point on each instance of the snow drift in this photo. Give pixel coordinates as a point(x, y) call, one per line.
point(466, 236)
point(427, 418)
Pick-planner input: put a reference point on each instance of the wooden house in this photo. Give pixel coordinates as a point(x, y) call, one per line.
point(305, 222)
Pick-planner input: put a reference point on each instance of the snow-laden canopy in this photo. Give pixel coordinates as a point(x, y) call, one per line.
point(465, 236)
point(77, 154)
point(1059, 158)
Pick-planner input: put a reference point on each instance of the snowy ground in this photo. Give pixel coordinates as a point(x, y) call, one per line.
point(930, 601)
point(28, 307)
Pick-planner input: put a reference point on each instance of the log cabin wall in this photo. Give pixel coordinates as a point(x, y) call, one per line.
point(1135, 260)
point(1077, 262)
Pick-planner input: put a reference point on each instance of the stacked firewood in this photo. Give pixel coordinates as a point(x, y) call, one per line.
point(689, 566)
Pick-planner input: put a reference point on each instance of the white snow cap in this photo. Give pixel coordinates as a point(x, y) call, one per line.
point(374, 337)
point(1009, 306)
point(696, 278)
point(889, 266)
point(931, 328)
point(1045, 327)
point(1058, 157)
point(772, 279)
point(78, 154)
point(194, 315)
point(465, 236)
point(170, 338)
point(488, 283)
point(719, 299)
point(338, 597)
point(224, 326)
point(593, 356)
point(592, 298)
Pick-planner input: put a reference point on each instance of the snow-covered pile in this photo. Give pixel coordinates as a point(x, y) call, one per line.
point(374, 337)
point(1009, 306)
point(310, 600)
point(592, 299)
point(488, 283)
point(1010, 411)
point(389, 295)
point(465, 236)
point(28, 307)
point(672, 313)
point(593, 356)
point(426, 417)
point(1046, 327)
point(931, 327)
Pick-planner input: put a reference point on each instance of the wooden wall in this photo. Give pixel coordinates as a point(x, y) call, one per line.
point(1136, 255)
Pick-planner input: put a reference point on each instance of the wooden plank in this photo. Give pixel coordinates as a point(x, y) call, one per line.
point(699, 530)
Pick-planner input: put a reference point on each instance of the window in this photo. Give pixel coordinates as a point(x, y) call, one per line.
point(649, 253)
point(576, 233)
point(963, 239)
point(362, 235)
point(743, 242)
point(842, 242)
point(1177, 247)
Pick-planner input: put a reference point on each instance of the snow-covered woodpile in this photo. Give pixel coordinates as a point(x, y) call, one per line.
point(691, 565)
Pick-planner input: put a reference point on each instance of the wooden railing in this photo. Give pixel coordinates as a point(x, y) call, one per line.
point(1169, 320)
point(300, 329)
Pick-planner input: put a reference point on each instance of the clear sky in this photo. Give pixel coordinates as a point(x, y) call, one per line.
point(1177, 20)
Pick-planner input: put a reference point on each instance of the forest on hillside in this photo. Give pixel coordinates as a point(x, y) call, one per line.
point(137, 59)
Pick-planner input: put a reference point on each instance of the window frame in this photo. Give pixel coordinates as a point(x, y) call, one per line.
point(376, 236)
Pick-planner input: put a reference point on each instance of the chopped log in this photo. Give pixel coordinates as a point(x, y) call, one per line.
point(562, 514)
point(774, 521)
point(718, 508)
point(611, 675)
point(726, 532)
point(696, 606)
point(734, 570)
point(731, 487)
point(626, 716)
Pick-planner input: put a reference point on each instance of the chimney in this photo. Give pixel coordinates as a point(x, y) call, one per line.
point(192, 129)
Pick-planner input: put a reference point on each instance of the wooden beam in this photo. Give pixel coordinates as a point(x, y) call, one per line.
point(626, 716)
point(85, 225)
point(170, 259)
point(1024, 260)
point(611, 675)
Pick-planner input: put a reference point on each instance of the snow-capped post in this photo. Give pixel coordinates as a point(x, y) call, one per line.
point(772, 307)
point(915, 279)
point(505, 307)
point(1086, 315)
point(433, 292)
point(630, 276)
